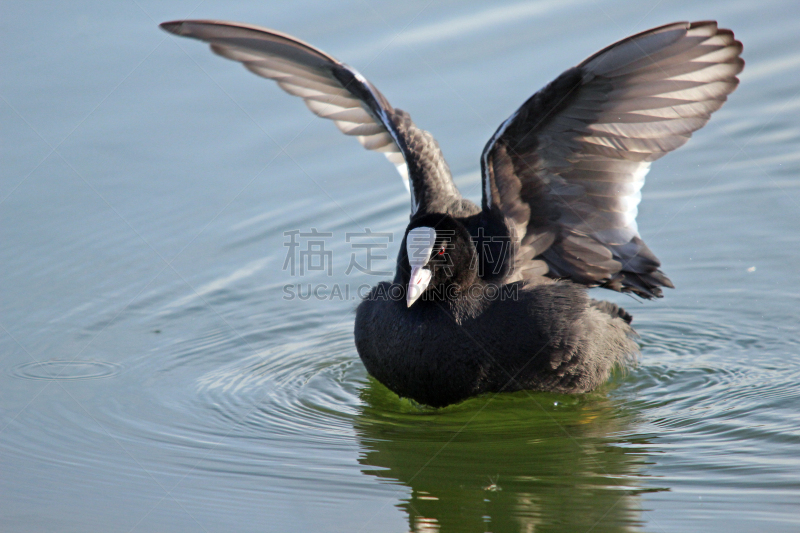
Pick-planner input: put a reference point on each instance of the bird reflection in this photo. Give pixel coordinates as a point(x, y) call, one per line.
point(512, 462)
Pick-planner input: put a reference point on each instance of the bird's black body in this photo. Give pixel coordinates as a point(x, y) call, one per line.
point(441, 352)
point(492, 298)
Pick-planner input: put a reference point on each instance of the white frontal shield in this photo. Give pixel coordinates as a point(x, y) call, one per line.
point(419, 245)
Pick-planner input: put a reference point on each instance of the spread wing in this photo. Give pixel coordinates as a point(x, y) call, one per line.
point(337, 92)
point(568, 166)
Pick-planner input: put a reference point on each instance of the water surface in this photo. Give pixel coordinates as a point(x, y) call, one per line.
point(154, 377)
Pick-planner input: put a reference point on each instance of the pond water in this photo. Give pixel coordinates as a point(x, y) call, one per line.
point(156, 375)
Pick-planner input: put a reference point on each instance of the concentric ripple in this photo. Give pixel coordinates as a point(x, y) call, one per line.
point(66, 370)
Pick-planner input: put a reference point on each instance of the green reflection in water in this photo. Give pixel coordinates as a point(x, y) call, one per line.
point(510, 462)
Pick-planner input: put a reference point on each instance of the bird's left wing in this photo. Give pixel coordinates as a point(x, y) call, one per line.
point(567, 167)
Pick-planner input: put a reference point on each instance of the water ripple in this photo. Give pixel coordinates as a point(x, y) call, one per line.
point(66, 370)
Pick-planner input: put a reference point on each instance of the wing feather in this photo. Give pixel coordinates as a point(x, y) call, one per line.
point(335, 91)
point(567, 168)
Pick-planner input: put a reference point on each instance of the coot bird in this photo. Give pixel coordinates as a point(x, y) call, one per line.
point(492, 298)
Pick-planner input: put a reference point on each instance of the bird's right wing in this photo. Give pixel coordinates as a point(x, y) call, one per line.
point(337, 92)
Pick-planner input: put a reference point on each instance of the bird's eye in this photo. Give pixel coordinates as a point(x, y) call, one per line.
point(441, 252)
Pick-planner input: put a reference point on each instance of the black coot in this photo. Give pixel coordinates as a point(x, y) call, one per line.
point(492, 298)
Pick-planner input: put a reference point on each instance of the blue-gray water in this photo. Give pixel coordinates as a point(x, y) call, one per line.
point(154, 378)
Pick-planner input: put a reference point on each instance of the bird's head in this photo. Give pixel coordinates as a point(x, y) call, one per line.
point(439, 257)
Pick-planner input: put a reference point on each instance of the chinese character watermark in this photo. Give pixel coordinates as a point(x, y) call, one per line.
point(314, 257)
point(369, 241)
point(308, 251)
